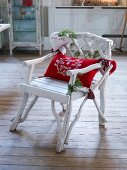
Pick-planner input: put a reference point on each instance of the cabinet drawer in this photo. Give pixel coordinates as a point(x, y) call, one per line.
point(24, 13)
point(25, 36)
point(24, 25)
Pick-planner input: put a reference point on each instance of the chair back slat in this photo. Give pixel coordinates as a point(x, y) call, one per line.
point(89, 43)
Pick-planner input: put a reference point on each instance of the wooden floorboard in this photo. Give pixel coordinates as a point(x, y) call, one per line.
point(32, 146)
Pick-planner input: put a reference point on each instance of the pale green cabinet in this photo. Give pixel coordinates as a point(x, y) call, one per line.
point(26, 24)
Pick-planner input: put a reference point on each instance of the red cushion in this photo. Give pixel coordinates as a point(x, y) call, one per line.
point(61, 63)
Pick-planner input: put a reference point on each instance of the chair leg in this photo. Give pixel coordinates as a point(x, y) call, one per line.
point(23, 118)
point(56, 115)
point(64, 107)
point(75, 120)
point(102, 102)
point(64, 128)
point(17, 117)
point(101, 116)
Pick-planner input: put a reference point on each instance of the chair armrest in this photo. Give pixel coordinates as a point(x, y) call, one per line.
point(73, 73)
point(32, 63)
point(39, 60)
point(83, 70)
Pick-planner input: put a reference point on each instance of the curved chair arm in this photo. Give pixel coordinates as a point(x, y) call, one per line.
point(39, 60)
point(32, 63)
point(84, 70)
point(73, 73)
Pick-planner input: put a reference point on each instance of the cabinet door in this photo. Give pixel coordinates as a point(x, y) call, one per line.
point(23, 13)
point(24, 22)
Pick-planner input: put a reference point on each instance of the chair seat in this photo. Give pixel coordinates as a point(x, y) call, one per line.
point(52, 89)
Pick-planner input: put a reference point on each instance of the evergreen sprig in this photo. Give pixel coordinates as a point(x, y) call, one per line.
point(67, 32)
point(77, 54)
point(71, 88)
point(96, 55)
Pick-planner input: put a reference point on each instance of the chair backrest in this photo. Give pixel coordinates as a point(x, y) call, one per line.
point(87, 45)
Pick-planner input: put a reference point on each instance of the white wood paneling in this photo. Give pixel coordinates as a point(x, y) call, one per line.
point(97, 20)
point(86, 19)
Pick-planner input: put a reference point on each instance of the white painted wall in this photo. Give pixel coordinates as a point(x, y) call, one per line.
point(57, 3)
point(97, 21)
point(46, 3)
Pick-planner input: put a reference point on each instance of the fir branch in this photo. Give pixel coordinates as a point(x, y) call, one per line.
point(95, 55)
point(67, 32)
point(71, 88)
point(77, 54)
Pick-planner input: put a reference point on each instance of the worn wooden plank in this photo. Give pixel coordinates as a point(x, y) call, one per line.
point(49, 152)
point(33, 145)
point(65, 162)
point(14, 167)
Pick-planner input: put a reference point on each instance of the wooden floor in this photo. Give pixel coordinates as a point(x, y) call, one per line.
point(32, 147)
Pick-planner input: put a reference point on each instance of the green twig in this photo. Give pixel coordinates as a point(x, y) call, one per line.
point(67, 32)
point(71, 88)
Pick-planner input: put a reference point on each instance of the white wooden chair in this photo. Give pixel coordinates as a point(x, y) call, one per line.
point(57, 91)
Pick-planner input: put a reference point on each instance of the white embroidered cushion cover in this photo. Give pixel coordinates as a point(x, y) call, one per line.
point(58, 42)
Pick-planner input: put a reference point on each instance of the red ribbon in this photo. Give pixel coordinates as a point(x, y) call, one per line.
point(91, 94)
point(106, 63)
point(27, 2)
